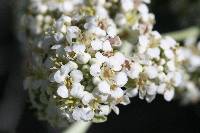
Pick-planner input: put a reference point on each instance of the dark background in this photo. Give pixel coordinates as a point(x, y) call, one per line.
point(138, 117)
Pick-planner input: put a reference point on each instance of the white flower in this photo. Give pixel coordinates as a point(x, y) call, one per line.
point(60, 23)
point(161, 88)
point(156, 34)
point(59, 77)
point(120, 19)
point(87, 98)
point(106, 46)
point(177, 78)
point(169, 94)
point(171, 66)
point(195, 61)
point(151, 89)
point(96, 44)
point(72, 32)
point(104, 87)
point(84, 114)
point(127, 5)
point(79, 48)
point(135, 70)
point(95, 70)
point(169, 53)
point(61, 74)
point(143, 42)
point(121, 79)
point(83, 58)
point(100, 58)
point(92, 27)
point(104, 109)
point(58, 36)
point(117, 93)
point(77, 90)
point(62, 91)
point(143, 9)
point(115, 109)
point(151, 71)
point(111, 31)
point(96, 80)
point(153, 53)
point(167, 43)
point(67, 6)
point(115, 62)
point(132, 92)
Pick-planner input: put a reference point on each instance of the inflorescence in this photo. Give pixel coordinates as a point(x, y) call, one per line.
point(89, 56)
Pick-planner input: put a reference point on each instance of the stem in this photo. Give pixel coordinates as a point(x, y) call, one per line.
point(185, 33)
point(78, 127)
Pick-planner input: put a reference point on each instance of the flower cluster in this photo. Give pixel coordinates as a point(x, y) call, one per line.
point(88, 56)
point(189, 55)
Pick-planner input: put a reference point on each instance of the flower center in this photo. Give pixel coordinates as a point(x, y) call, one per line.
point(68, 82)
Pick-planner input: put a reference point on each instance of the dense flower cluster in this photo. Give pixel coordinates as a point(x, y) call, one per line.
point(88, 56)
point(190, 57)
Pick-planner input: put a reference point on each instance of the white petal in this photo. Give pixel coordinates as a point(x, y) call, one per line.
point(132, 92)
point(76, 75)
point(77, 90)
point(111, 31)
point(96, 44)
point(153, 53)
point(135, 70)
point(167, 43)
point(161, 88)
point(88, 114)
point(79, 48)
point(127, 5)
point(106, 46)
point(59, 77)
point(87, 98)
point(65, 69)
point(121, 79)
point(83, 58)
point(169, 95)
point(72, 32)
point(171, 65)
point(104, 87)
point(169, 53)
point(62, 91)
point(58, 36)
point(95, 70)
point(104, 110)
point(115, 109)
point(152, 89)
point(117, 93)
point(100, 58)
point(151, 71)
point(96, 80)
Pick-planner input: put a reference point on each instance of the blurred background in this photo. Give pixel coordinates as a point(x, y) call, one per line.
point(16, 115)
